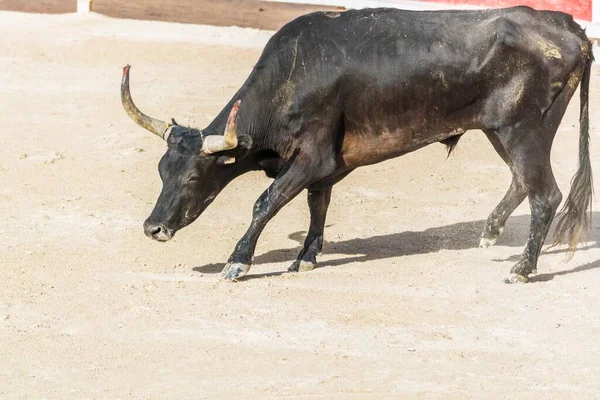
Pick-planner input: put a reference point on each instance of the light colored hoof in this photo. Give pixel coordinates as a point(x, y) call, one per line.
point(301, 266)
point(232, 272)
point(485, 242)
point(489, 242)
point(306, 266)
point(516, 278)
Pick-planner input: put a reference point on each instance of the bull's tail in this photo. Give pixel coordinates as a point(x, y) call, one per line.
point(575, 216)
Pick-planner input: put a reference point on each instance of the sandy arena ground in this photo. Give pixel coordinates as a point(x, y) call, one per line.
point(404, 306)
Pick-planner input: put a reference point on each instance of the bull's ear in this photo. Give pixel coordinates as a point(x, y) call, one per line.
point(241, 151)
point(244, 144)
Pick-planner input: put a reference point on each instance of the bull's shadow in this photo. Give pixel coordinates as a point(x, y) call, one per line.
point(459, 236)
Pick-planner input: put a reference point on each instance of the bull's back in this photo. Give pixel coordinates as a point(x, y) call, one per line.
point(409, 78)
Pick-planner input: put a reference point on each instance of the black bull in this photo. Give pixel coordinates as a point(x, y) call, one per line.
point(335, 91)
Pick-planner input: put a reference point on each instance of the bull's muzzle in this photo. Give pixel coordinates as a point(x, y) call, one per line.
point(157, 231)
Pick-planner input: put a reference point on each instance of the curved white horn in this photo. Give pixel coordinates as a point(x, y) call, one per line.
point(215, 143)
point(156, 126)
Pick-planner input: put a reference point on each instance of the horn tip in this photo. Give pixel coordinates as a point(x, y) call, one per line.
point(126, 69)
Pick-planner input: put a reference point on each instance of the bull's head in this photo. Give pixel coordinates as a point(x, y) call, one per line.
point(194, 169)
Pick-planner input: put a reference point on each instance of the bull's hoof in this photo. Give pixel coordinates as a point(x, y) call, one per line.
point(516, 278)
point(520, 272)
point(488, 240)
point(301, 266)
point(484, 243)
point(234, 271)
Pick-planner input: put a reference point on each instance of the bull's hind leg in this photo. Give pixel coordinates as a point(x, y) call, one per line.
point(318, 202)
point(514, 196)
point(529, 151)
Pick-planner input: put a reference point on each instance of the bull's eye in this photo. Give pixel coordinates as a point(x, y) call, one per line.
point(193, 178)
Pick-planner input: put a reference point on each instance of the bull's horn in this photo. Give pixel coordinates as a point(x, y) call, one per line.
point(215, 143)
point(155, 126)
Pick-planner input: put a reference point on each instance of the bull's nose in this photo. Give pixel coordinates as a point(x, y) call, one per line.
point(151, 229)
point(157, 231)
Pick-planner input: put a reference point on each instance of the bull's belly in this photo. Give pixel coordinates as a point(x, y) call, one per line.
point(360, 149)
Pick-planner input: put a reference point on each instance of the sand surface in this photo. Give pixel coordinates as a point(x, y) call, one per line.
point(404, 305)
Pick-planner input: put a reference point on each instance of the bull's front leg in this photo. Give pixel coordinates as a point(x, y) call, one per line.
point(297, 177)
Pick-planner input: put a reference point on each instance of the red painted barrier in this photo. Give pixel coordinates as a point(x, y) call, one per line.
point(580, 9)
